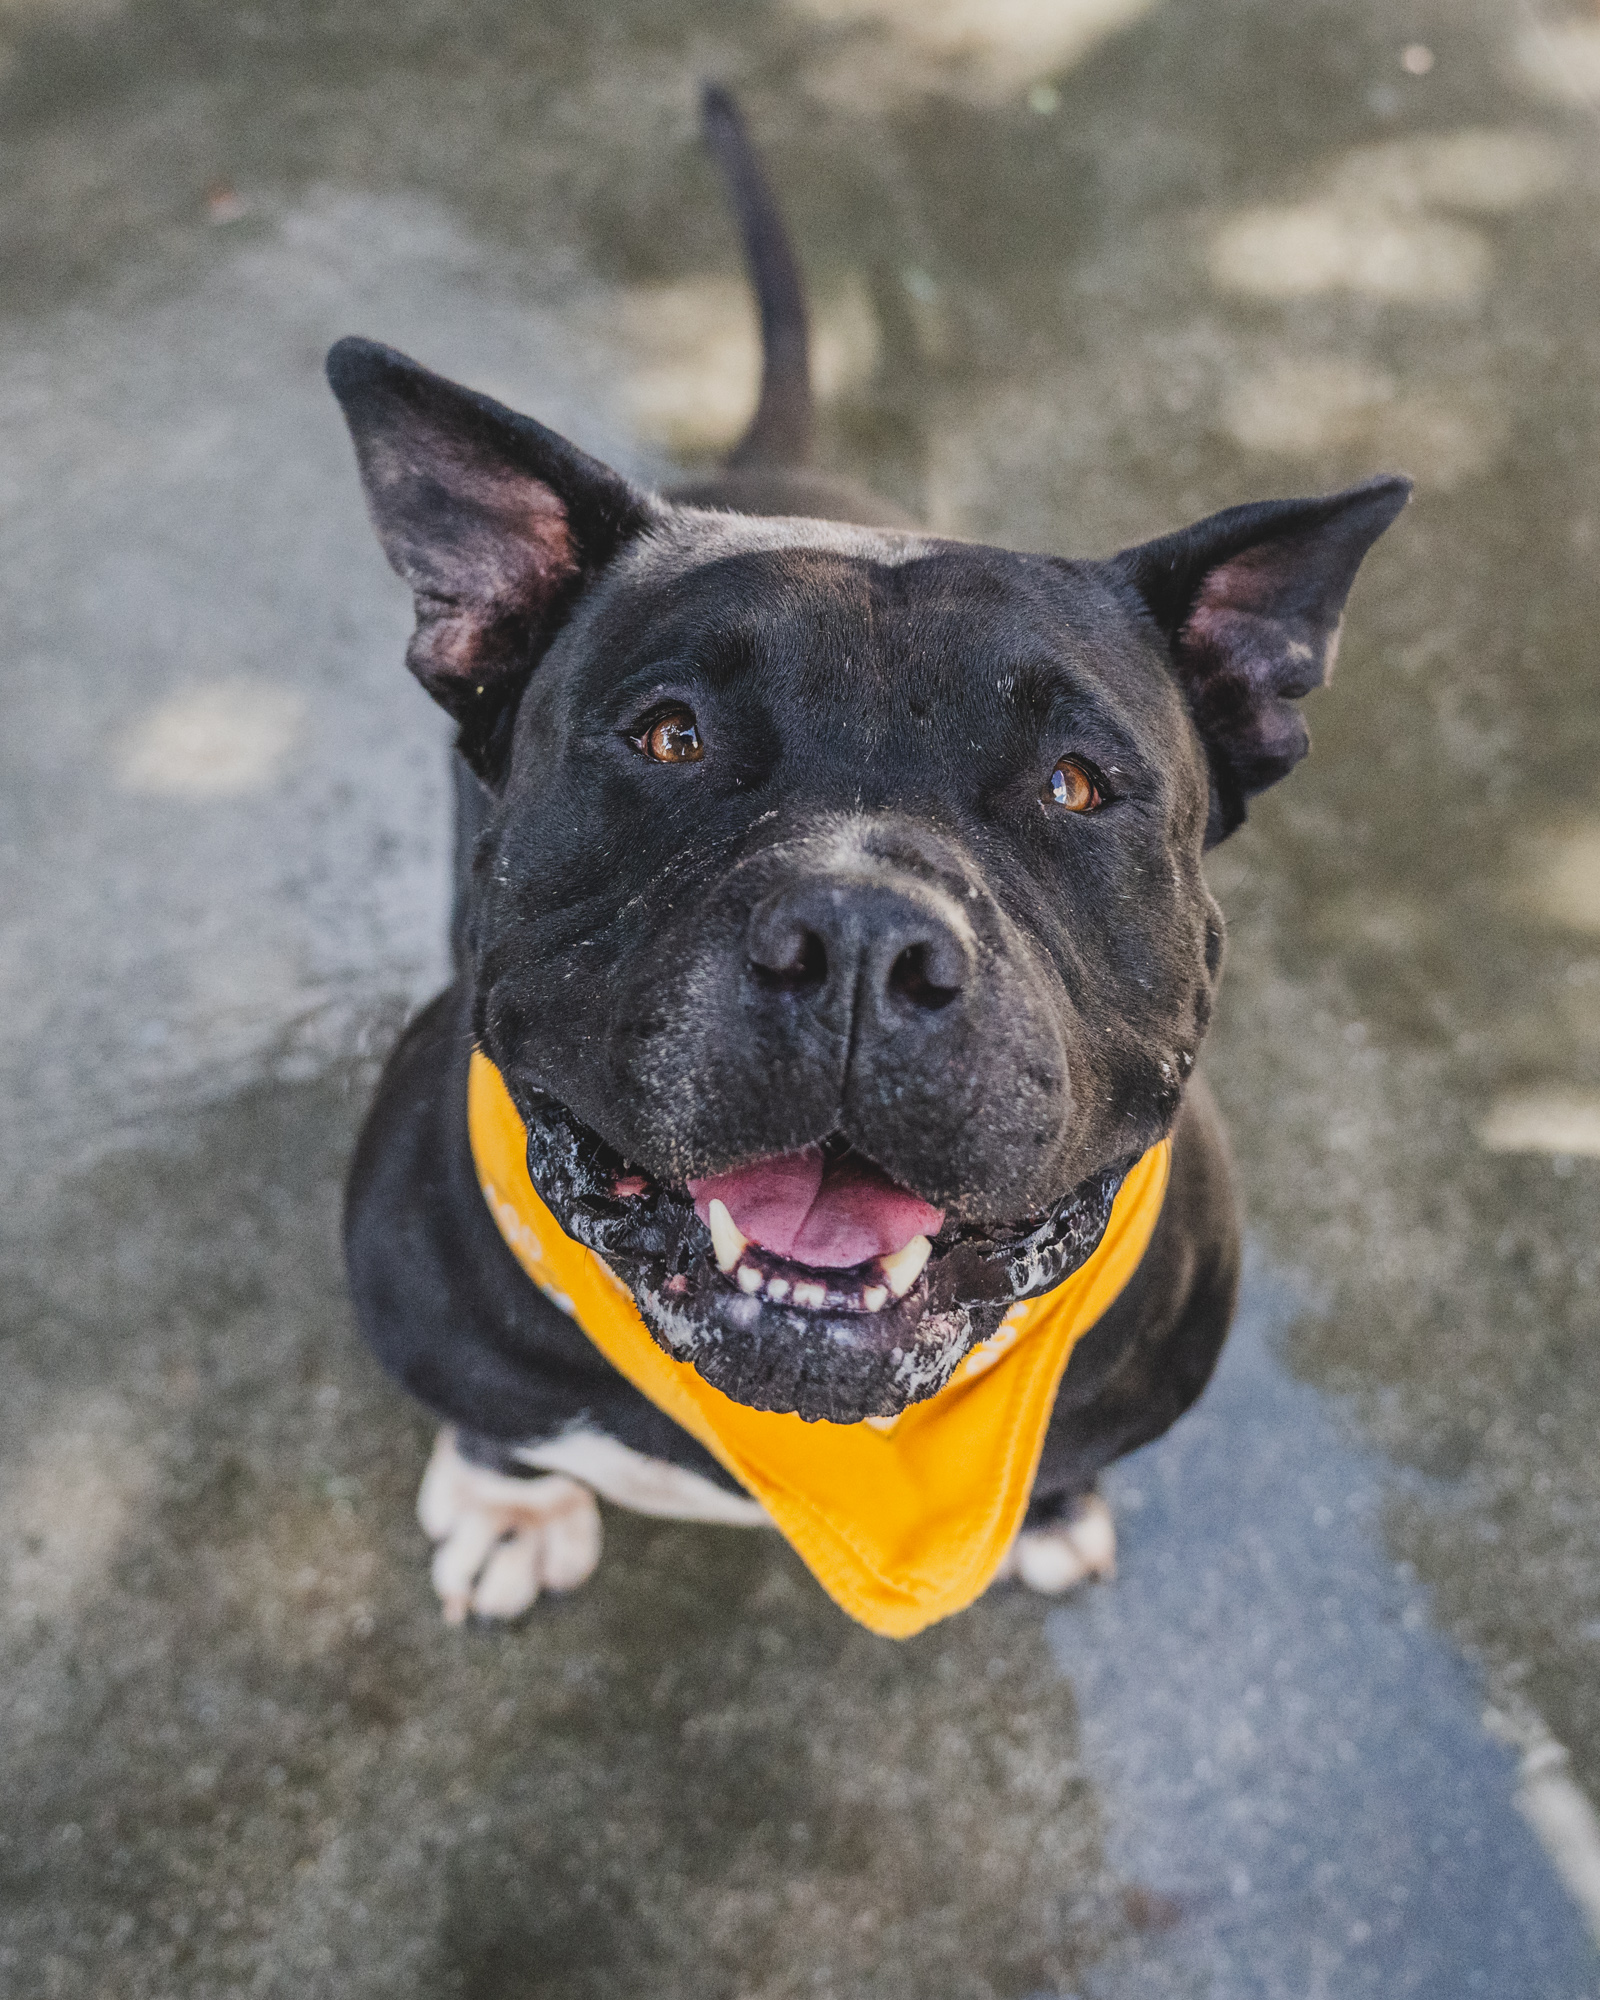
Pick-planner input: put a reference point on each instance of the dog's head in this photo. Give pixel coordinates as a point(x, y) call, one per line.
point(839, 928)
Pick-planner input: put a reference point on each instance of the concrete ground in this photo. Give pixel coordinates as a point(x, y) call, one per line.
point(1084, 269)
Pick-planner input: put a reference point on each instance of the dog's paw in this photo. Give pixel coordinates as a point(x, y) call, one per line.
point(503, 1540)
point(1083, 1543)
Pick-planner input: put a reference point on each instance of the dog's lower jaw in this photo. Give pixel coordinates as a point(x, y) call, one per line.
point(847, 1366)
point(823, 1366)
point(820, 1367)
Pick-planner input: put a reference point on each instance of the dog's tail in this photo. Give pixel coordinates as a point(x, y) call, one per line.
point(780, 430)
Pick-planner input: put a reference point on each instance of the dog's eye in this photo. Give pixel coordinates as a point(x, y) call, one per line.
point(1073, 788)
point(673, 738)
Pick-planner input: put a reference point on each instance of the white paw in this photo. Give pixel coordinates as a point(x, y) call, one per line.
point(502, 1540)
point(1051, 1560)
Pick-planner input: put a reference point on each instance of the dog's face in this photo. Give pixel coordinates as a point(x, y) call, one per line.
point(840, 929)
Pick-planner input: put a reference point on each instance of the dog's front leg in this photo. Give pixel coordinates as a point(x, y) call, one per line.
point(503, 1539)
point(1055, 1555)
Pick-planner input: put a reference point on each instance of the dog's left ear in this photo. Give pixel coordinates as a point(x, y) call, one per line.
point(1250, 602)
point(495, 522)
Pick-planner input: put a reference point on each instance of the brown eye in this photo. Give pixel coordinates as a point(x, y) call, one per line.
point(673, 738)
point(1071, 787)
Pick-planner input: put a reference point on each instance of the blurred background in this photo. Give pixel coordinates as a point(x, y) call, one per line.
point(1081, 270)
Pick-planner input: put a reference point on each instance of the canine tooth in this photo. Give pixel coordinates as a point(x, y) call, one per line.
point(727, 1239)
point(809, 1295)
point(778, 1289)
point(905, 1267)
point(749, 1279)
point(875, 1298)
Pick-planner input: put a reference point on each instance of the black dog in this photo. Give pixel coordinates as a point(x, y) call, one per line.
point(838, 884)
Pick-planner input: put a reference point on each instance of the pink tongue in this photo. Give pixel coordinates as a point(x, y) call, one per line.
point(831, 1217)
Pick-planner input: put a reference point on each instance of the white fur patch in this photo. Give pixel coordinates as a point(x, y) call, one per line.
point(1052, 1560)
point(643, 1485)
point(502, 1540)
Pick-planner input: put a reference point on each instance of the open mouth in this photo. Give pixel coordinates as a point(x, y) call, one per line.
point(822, 1229)
point(807, 1282)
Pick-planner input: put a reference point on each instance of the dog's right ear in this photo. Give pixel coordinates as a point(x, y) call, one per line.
point(1250, 603)
point(495, 522)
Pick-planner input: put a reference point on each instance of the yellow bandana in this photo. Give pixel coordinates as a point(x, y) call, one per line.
point(901, 1522)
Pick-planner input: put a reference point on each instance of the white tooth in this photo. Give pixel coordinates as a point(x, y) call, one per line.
point(905, 1267)
point(727, 1239)
point(778, 1289)
point(875, 1298)
point(749, 1279)
point(809, 1295)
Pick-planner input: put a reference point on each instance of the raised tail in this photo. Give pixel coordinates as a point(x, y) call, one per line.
point(780, 430)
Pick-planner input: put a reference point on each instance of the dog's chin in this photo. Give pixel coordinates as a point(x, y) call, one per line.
point(846, 1348)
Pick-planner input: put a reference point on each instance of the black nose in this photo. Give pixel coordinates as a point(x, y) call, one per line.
point(842, 942)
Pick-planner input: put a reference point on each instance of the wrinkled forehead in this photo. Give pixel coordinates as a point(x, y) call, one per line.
point(870, 608)
point(782, 592)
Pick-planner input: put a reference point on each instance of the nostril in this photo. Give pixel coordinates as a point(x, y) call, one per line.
point(790, 959)
point(922, 976)
point(845, 940)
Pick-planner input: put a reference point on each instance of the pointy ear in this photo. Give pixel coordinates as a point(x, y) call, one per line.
point(1249, 603)
point(495, 522)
